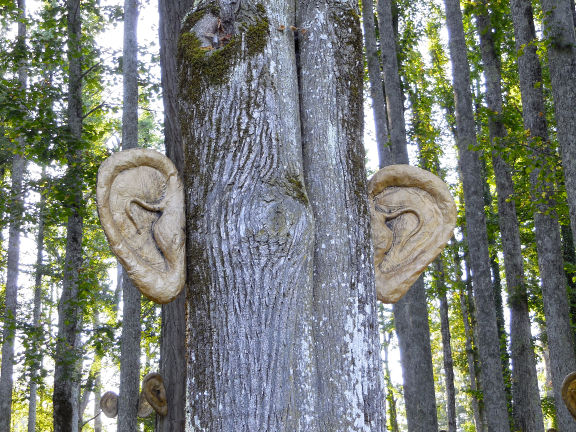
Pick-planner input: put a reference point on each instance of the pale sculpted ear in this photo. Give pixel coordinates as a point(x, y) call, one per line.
point(109, 404)
point(155, 393)
point(569, 393)
point(141, 208)
point(413, 216)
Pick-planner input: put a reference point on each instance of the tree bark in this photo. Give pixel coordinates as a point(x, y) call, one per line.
point(129, 391)
point(13, 254)
point(281, 310)
point(470, 167)
point(410, 312)
point(526, 408)
point(375, 77)
point(548, 240)
point(67, 373)
point(172, 338)
point(559, 31)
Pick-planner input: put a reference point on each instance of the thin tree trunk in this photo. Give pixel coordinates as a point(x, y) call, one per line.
point(13, 258)
point(36, 326)
point(470, 167)
point(526, 408)
point(97, 396)
point(375, 76)
point(129, 391)
point(559, 31)
point(393, 415)
point(410, 312)
point(67, 370)
point(172, 339)
point(548, 240)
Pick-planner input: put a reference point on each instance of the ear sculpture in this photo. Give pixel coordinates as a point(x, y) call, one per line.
point(109, 404)
point(141, 208)
point(569, 393)
point(155, 393)
point(413, 216)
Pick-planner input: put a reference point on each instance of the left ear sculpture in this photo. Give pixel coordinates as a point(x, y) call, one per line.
point(155, 393)
point(413, 216)
point(141, 208)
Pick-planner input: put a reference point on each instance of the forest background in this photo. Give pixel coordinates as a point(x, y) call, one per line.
point(514, 112)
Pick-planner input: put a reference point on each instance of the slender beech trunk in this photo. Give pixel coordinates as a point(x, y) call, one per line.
point(526, 409)
point(559, 31)
point(470, 167)
point(16, 212)
point(131, 306)
point(67, 370)
point(172, 339)
point(410, 313)
point(375, 77)
point(548, 240)
point(390, 397)
point(37, 336)
point(281, 311)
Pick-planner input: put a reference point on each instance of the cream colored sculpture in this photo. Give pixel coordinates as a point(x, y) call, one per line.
point(413, 216)
point(141, 208)
point(154, 392)
point(109, 404)
point(569, 393)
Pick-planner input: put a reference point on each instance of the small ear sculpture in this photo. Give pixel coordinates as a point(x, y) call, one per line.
point(109, 404)
point(413, 216)
point(155, 392)
point(141, 208)
point(569, 393)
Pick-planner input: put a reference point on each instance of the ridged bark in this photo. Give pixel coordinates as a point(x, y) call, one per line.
point(471, 169)
point(67, 371)
point(281, 311)
point(561, 50)
point(526, 407)
point(548, 240)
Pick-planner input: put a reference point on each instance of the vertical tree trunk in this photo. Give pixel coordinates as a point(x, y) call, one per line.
point(410, 313)
point(559, 31)
point(548, 240)
point(281, 310)
point(375, 77)
point(37, 336)
point(172, 338)
point(13, 258)
point(470, 167)
point(526, 408)
point(131, 333)
point(66, 373)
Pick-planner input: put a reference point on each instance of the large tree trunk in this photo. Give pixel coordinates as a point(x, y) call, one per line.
point(281, 307)
point(470, 167)
point(410, 312)
point(526, 396)
point(172, 338)
point(131, 331)
point(559, 31)
point(548, 240)
point(8, 316)
point(66, 373)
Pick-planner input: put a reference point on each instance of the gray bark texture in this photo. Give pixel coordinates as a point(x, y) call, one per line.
point(129, 390)
point(471, 174)
point(67, 373)
point(281, 308)
point(410, 312)
point(8, 316)
point(526, 396)
point(548, 240)
point(172, 338)
point(559, 32)
point(375, 77)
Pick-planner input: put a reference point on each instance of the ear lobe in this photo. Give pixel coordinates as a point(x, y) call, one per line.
point(109, 404)
point(141, 207)
point(155, 393)
point(413, 216)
